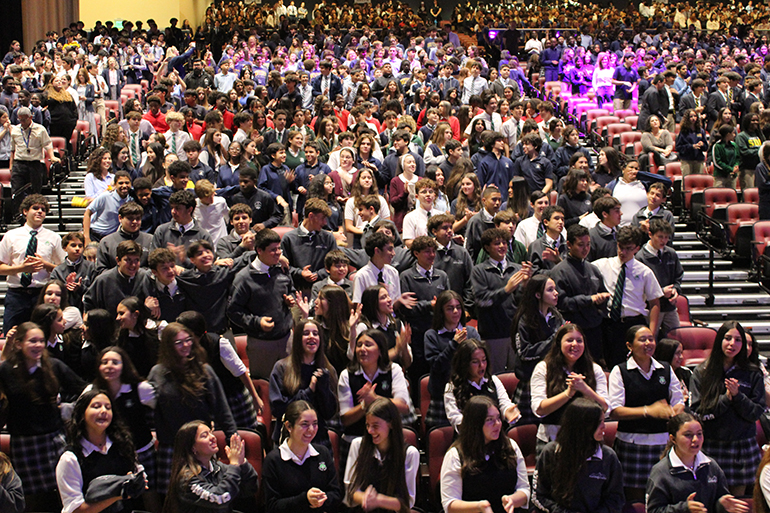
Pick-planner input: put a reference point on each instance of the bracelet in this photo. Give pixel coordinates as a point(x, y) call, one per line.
point(645, 411)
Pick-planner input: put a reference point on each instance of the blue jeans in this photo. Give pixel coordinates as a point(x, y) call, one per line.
point(19, 303)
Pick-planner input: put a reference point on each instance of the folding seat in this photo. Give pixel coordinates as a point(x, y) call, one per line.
point(740, 220)
point(439, 441)
point(716, 199)
point(526, 438)
point(693, 185)
point(697, 342)
point(751, 195)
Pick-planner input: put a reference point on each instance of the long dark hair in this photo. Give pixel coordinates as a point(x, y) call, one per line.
point(153, 169)
point(555, 363)
point(370, 299)
point(95, 162)
point(117, 431)
point(383, 362)
point(393, 462)
point(529, 308)
point(189, 374)
point(292, 379)
point(613, 166)
point(64, 303)
point(575, 444)
point(713, 369)
point(184, 465)
point(336, 317)
point(292, 414)
point(44, 316)
point(438, 310)
point(461, 362)
point(475, 453)
point(135, 305)
point(16, 360)
point(128, 375)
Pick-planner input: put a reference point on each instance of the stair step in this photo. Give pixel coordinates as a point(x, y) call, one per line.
point(738, 313)
point(720, 287)
point(720, 275)
point(732, 299)
point(703, 265)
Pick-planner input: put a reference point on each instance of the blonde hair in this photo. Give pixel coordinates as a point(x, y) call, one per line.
point(174, 116)
point(204, 188)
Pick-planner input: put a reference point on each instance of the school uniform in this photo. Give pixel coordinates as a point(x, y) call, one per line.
point(536, 249)
point(603, 243)
point(477, 224)
point(178, 235)
point(671, 483)
point(492, 388)
point(345, 284)
point(84, 270)
point(216, 485)
point(668, 270)
point(108, 247)
point(370, 275)
point(111, 287)
point(456, 262)
point(304, 248)
point(639, 442)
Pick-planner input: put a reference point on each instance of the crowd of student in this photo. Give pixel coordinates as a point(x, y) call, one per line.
point(266, 163)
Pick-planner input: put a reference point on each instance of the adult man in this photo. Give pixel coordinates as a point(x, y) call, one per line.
point(101, 217)
point(198, 77)
point(28, 142)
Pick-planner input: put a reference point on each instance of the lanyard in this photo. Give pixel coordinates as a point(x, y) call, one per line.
point(28, 138)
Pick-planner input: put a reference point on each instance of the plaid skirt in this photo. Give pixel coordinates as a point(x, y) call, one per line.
point(147, 460)
point(436, 414)
point(163, 456)
point(243, 410)
point(637, 461)
point(738, 459)
point(522, 398)
point(35, 458)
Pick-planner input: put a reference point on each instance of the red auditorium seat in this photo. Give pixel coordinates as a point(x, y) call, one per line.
point(424, 402)
point(718, 198)
point(623, 114)
point(691, 184)
point(526, 438)
point(614, 131)
point(439, 441)
point(253, 443)
point(593, 114)
point(696, 342)
point(683, 310)
point(751, 195)
point(553, 196)
point(263, 390)
point(631, 120)
point(740, 218)
point(610, 430)
point(509, 381)
point(761, 238)
point(628, 142)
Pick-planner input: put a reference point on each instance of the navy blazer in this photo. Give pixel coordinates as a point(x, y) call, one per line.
point(335, 86)
point(121, 83)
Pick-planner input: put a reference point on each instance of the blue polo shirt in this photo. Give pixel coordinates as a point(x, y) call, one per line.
point(623, 74)
point(104, 212)
point(495, 171)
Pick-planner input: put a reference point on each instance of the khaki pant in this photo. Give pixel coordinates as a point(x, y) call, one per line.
point(618, 104)
point(99, 109)
point(670, 123)
point(264, 353)
point(691, 167)
point(746, 178)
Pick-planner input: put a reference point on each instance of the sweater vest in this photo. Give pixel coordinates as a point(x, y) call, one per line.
point(384, 382)
point(642, 392)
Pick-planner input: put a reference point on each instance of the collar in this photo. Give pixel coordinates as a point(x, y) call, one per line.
point(604, 228)
point(423, 272)
point(186, 227)
point(260, 266)
point(447, 247)
point(486, 216)
point(172, 287)
point(88, 447)
point(648, 247)
point(700, 460)
point(124, 389)
point(444, 330)
point(30, 229)
point(648, 211)
point(361, 372)
point(631, 365)
point(597, 455)
point(70, 263)
point(56, 342)
point(553, 242)
point(288, 455)
point(495, 263)
point(478, 386)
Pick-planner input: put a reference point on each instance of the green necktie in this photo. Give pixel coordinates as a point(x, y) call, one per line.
point(617, 297)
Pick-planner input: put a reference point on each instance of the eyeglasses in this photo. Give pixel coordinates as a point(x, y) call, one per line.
point(183, 342)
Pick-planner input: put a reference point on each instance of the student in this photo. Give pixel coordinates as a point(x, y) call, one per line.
point(495, 478)
point(260, 301)
point(101, 216)
point(161, 290)
point(548, 250)
point(576, 471)
point(470, 376)
point(175, 137)
point(379, 249)
point(533, 166)
point(389, 168)
point(370, 375)
point(187, 389)
point(685, 478)
point(84, 272)
point(55, 293)
point(495, 168)
point(566, 374)
point(265, 212)
point(182, 229)
point(724, 155)
point(210, 210)
point(298, 475)
point(306, 246)
point(199, 170)
point(142, 194)
point(177, 180)
point(604, 234)
point(241, 237)
point(100, 446)
point(27, 256)
point(377, 313)
point(416, 221)
point(582, 297)
point(532, 228)
point(126, 279)
point(337, 267)
point(368, 208)
point(634, 300)
point(664, 262)
point(242, 397)
point(309, 169)
point(729, 395)
point(32, 382)
point(136, 337)
point(305, 375)
point(199, 480)
point(494, 283)
point(381, 472)
point(50, 318)
point(403, 189)
point(452, 258)
point(644, 394)
point(130, 219)
point(575, 198)
point(484, 220)
point(656, 196)
point(275, 177)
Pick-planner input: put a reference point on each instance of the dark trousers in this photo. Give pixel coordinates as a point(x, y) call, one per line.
point(19, 303)
point(26, 172)
point(593, 341)
point(615, 350)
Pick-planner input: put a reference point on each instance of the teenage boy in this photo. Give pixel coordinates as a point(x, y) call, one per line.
point(633, 287)
point(604, 234)
point(155, 116)
point(548, 250)
point(516, 253)
point(533, 166)
point(495, 168)
point(337, 266)
point(77, 272)
point(308, 170)
point(279, 134)
point(178, 173)
point(241, 238)
point(454, 151)
point(275, 177)
point(426, 283)
point(664, 263)
point(124, 280)
point(416, 221)
point(260, 303)
point(591, 219)
point(210, 210)
point(307, 245)
point(452, 258)
point(379, 248)
point(142, 193)
point(484, 220)
point(582, 295)
point(136, 138)
point(28, 254)
point(494, 283)
point(101, 216)
point(162, 286)
point(369, 211)
point(130, 219)
point(265, 213)
point(346, 140)
point(198, 169)
point(175, 137)
point(656, 196)
point(182, 230)
point(532, 228)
